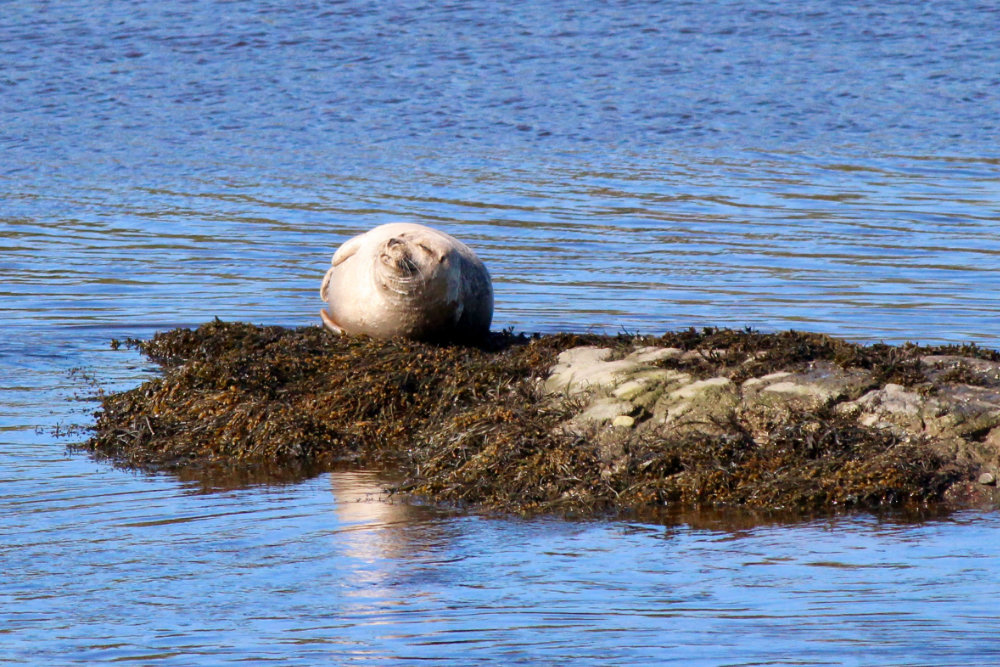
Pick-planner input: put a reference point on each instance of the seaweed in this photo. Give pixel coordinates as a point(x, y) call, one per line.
point(742, 354)
point(470, 424)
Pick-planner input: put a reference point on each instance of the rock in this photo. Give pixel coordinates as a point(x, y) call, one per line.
point(623, 421)
point(893, 404)
point(962, 409)
point(987, 479)
point(952, 411)
point(650, 355)
point(941, 368)
point(696, 389)
point(582, 368)
point(604, 410)
point(766, 379)
point(615, 391)
point(821, 382)
point(992, 439)
point(704, 406)
point(700, 398)
point(633, 392)
point(615, 387)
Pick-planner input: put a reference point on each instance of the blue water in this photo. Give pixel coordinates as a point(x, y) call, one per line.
point(618, 166)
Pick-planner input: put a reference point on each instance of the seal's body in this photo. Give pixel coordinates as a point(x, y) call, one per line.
point(404, 279)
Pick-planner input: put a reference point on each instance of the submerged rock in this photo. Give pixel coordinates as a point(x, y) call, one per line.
point(575, 423)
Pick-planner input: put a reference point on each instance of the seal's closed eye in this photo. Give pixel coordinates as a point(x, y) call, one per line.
point(439, 256)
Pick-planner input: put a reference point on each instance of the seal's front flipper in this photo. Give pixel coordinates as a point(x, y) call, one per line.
point(346, 251)
point(326, 284)
point(329, 323)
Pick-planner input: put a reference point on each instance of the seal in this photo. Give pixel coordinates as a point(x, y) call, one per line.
point(407, 280)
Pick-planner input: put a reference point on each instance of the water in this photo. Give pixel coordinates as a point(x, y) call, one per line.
point(624, 166)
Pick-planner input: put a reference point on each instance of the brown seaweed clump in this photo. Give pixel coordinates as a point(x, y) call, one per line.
point(240, 396)
point(472, 424)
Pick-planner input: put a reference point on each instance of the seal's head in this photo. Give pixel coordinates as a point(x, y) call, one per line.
point(404, 279)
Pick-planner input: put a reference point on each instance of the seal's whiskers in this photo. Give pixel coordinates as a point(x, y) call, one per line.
point(410, 277)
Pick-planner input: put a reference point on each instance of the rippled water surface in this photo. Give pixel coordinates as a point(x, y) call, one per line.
point(624, 165)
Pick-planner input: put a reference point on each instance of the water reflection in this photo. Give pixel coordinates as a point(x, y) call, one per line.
point(361, 498)
point(370, 519)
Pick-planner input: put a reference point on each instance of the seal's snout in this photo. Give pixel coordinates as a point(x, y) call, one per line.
point(398, 256)
point(406, 266)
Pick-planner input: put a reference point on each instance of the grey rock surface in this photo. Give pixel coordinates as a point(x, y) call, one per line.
point(624, 396)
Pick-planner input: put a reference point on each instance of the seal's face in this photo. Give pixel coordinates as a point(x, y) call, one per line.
point(408, 267)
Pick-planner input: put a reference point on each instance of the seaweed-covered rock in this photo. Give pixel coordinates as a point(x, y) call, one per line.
point(576, 423)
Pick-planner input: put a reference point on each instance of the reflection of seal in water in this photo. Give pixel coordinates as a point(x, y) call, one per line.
point(408, 280)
